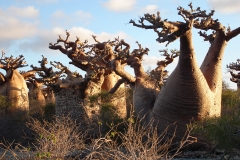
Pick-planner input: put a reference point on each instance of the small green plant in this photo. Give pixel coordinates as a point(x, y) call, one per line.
point(4, 104)
point(93, 98)
point(43, 155)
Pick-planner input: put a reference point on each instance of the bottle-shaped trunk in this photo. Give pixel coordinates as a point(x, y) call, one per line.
point(186, 94)
point(16, 92)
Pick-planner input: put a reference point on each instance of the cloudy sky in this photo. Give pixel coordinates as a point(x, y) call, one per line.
point(28, 26)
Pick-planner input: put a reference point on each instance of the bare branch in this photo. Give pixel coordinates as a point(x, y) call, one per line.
point(117, 85)
point(233, 33)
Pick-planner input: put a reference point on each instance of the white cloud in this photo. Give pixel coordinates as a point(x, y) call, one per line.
point(225, 6)
point(17, 23)
point(27, 12)
point(37, 1)
point(58, 14)
point(152, 60)
point(151, 9)
point(107, 36)
point(41, 42)
point(85, 34)
point(119, 5)
point(60, 18)
point(46, 1)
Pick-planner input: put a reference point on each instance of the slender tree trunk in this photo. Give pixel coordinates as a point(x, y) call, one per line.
point(212, 70)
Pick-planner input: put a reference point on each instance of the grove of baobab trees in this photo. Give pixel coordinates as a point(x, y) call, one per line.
point(191, 92)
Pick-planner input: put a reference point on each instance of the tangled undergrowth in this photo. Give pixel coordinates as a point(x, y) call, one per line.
point(62, 139)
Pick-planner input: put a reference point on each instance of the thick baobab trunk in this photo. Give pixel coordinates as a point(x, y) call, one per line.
point(36, 94)
point(186, 94)
point(69, 103)
point(93, 87)
point(16, 92)
point(120, 102)
point(144, 96)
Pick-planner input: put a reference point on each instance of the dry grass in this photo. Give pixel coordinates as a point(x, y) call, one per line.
point(56, 139)
point(9, 151)
point(62, 139)
point(137, 142)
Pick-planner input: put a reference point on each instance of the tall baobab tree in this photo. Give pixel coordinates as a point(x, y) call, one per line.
point(191, 92)
point(13, 87)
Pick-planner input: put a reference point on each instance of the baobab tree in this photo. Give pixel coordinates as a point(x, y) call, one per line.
point(159, 73)
point(191, 92)
point(145, 86)
point(39, 88)
point(93, 59)
point(13, 87)
point(235, 77)
point(69, 93)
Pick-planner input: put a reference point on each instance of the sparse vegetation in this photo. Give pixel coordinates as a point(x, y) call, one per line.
point(223, 132)
point(62, 139)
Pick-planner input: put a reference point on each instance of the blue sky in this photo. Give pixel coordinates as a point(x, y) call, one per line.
point(28, 26)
